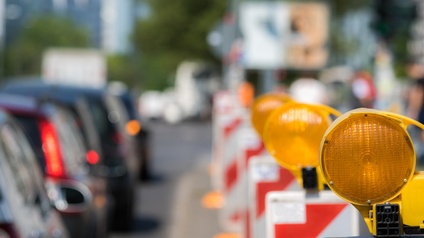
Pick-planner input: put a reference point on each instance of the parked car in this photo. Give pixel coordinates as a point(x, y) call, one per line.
point(52, 132)
point(135, 127)
point(120, 159)
point(25, 209)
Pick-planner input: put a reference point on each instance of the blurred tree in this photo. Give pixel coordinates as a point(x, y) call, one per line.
point(392, 24)
point(122, 68)
point(23, 57)
point(342, 7)
point(174, 31)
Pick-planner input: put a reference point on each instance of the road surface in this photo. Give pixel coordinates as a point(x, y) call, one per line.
point(169, 206)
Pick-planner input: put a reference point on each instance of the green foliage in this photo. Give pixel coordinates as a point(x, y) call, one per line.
point(123, 68)
point(23, 57)
point(342, 7)
point(175, 31)
point(393, 19)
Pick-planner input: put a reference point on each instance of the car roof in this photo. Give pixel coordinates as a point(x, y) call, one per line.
point(19, 103)
point(37, 87)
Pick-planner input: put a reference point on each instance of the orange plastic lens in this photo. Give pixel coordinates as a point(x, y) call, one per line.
point(263, 107)
point(133, 127)
point(367, 158)
point(293, 134)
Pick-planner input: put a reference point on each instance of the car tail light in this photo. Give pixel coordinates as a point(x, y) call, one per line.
point(92, 157)
point(133, 127)
point(51, 149)
point(8, 231)
point(118, 138)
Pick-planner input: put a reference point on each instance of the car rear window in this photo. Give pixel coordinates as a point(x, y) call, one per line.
point(71, 142)
point(14, 157)
point(100, 115)
point(72, 150)
point(30, 126)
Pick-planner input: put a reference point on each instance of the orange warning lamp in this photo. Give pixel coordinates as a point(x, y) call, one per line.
point(263, 106)
point(367, 158)
point(292, 135)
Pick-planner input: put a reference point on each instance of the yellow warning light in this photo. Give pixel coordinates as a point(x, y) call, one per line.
point(367, 156)
point(293, 133)
point(133, 127)
point(263, 106)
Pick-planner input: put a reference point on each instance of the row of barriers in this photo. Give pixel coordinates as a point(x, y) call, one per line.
point(262, 198)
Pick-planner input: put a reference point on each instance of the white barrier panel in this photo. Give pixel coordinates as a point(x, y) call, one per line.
point(246, 145)
point(250, 146)
point(223, 123)
point(230, 214)
point(264, 175)
point(302, 214)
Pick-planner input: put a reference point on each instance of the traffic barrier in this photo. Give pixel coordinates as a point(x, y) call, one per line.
point(240, 144)
point(264, 175)
point(317, 214)
point(250, 146)
point(224, 122)
point(228, 120)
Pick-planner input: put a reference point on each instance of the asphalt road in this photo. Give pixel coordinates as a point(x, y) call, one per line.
point(169, 206)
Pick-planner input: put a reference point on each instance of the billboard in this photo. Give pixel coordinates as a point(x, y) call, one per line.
point(284, 35)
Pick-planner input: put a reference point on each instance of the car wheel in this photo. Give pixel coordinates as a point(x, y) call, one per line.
point(124, 214)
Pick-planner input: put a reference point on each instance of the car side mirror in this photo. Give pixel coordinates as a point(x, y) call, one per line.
point(69, 196)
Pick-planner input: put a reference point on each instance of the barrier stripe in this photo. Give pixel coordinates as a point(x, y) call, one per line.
point(248, 225)
point(231, 175)
point(236, 216)
point(262, 188)
point(253, 152)
point(229, 129)
point(318, 217)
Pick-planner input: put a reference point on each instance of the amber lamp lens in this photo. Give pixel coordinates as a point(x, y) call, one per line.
point(367, 158)
point(263, 107)
point(293, 133)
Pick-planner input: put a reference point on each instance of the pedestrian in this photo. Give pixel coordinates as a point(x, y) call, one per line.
point(363, 90)
point(415, 95)
point(415, 105)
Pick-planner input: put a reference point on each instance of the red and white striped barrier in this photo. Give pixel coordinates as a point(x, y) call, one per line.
point(264, 175)
point(229, 214)
point(251, 146)
point(224, 123)
point(228, 120)
point(302, 214)
point(246, 145)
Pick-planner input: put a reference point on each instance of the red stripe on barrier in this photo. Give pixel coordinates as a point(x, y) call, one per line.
point(318, 217)
point(247, 224)
point(253, 152)
point(229, 129)
point(236, 216)
point(262, 188)
point(231, 175)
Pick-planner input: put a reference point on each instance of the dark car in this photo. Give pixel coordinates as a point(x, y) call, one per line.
point(57, 144)
point(120, 161)
point(137, 128)
point(25, 209)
